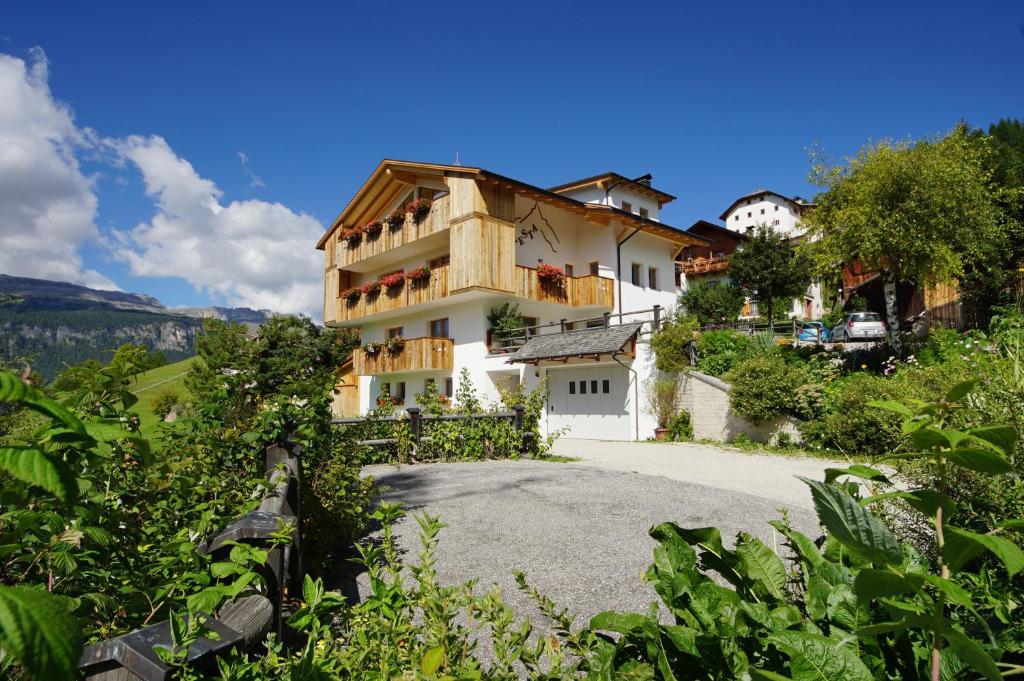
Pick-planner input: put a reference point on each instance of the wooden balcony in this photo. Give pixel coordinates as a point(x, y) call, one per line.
point(416, 354)
point(584, 291)
point(698, 266)
point(410, 293)
point(388, 239)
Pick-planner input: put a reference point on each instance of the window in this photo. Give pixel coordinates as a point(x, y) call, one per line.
point(595, 268)
point(636, 274)
point(399, 395)
point(652, 277)
point(627, 206)
point(762, 211)
point(427, 382)
point(737, 218)
point(593, 386)
point(776, 209)
point(439, 261)
point(583, 387)
point(568, 270)
point(775, 223)
point(606, 386)
point(643, 213)
point(572, 387)
point(748, 213)
point(396, 332)
point(448, 387)
point(439, 328)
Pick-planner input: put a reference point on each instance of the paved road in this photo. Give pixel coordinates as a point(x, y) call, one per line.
point(579, 532)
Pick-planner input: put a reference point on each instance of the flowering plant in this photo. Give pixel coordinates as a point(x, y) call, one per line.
point(395, 220)
point(371, 288)
point(352, 294)
point(394, 344)
point(386, 400)
point(372, 229)
point(419, 208)
point(550, 274)
point(418, 274)
point(371, 348)
point(352, 236)
point(393, 280)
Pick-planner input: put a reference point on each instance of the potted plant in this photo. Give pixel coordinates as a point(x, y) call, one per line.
point(371, 288)
point(418, 275)
point(353, 236)
point(551, 275)
point(393, 281)
point(394, 344)
point(372, 349)
point(395, 220)
point(352, 295)
point(418, 208)
point(507, 325)
point(663, 403)
point(372, 229)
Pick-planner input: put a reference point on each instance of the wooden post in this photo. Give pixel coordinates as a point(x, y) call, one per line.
point(606, 318)
point(562, 323)
point(519, 421)
point(657, 317)
point(415, 425)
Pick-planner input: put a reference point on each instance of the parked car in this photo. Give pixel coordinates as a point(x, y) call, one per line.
point(814, 332)
point(860, 326)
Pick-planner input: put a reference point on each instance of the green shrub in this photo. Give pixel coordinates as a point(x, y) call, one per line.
point(663, 399)
point(712, 302)
point(718, 351)
point(680, 428)
point(165, 403)
point(671, 343)
point(764, 386)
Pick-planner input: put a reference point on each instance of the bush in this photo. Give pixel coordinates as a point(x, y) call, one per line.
point(719, 351)
point(680, 428)
point(671, 343)
point(712, 303)
point(663, 399)
point(165, 403)
point(764, 387)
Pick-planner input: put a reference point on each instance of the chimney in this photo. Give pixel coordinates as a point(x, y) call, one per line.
point(644, 180)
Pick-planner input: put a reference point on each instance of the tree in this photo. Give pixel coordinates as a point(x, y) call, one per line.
point(913, 211)
point(768, 269)
point(712, 302)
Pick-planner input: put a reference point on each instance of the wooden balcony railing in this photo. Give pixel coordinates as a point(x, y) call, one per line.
point(410, 293)
point(584, 291)
point(415, 354)
point(435, 221)
point(704, 265)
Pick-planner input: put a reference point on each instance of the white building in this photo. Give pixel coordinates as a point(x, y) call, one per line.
point(483, 239)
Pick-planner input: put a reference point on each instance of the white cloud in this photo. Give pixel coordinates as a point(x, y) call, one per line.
point(248, 253)
point(255, 181)
point(47, 205)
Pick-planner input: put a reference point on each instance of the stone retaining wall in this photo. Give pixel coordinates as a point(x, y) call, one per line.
point(707, 400)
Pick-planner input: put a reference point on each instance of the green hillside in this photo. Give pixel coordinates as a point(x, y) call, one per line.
point(155, 382)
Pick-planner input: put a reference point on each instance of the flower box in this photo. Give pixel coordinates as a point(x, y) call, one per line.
point(392, 281)
point(372, 349)
point(353, 236)
point(418, 208)
point(394, 344)
point(370, 288)
point(373, 229)
point(418, 275)
point(352, 294)
point(551, 275)
point(395, 220)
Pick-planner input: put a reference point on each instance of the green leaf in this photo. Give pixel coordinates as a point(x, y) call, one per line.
point(928, 438)
point(761, 564)
point(1003, 437)
point(813, 657)
point(852, 525)
point(619, 622)
point(205, 601)
point(979, 460)
point(39, 633)
point(714, 555)
point(962, 546)
point(972, 653)
point(926, 502)
point(37, 468)
point(221, 570)
point(765, 675)
point(432, 660)
point(857, 470)
point(888, 405)
point(874, 584)
point(800, 543)
point(953, 591)
point(960, 390)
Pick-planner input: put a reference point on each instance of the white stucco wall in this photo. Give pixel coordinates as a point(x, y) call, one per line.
point(772, 210)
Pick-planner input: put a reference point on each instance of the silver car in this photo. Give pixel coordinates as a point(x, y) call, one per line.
point(859, 326)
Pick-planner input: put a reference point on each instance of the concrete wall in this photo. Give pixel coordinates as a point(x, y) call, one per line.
point(707, 400)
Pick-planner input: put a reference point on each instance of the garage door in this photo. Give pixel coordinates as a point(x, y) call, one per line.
point(590, 402)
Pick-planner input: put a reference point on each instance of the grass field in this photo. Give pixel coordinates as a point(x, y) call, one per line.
point(156, 382)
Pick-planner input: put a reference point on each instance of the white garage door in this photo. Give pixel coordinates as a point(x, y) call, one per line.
point(590, 402)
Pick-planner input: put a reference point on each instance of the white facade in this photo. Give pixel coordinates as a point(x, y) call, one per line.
point(765, 208)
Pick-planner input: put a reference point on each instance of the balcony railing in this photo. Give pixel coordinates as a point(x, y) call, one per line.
point(414, 354)
point(585, 291)
point(410, 293)
point(704, 265)
point(411, 230)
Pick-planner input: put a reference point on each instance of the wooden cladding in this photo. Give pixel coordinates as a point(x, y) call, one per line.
point(482, 254)
point(410, 293)
point(586, 291)
point(436, 221)
point(417, 354)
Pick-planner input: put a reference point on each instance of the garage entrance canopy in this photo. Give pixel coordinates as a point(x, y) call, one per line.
point(583, 343)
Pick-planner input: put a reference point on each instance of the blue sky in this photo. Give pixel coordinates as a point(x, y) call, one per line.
point(714, 99)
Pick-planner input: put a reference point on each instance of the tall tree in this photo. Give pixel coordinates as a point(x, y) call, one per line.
point(914, 211)
point(712, 302)
point(768, 269)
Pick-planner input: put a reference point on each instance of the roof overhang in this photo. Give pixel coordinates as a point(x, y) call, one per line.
point(607, 180)
point(611, 340)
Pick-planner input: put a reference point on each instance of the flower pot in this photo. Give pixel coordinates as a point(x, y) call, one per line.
point(660, 434)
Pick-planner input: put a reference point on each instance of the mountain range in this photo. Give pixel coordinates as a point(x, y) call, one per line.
point(53, 324)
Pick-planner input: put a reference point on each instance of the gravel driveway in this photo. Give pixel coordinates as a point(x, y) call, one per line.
point(578, 531)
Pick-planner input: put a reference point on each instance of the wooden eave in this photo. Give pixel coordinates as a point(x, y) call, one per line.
point(605, 180)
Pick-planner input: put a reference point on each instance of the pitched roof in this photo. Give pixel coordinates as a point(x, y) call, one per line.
point(611, 178)
point(795, 200)
point(704, 225)
point(585, 342)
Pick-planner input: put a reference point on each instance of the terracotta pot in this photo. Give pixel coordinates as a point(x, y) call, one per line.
point(660, 433)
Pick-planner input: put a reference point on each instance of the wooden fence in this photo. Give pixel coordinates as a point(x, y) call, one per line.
point(241, 624)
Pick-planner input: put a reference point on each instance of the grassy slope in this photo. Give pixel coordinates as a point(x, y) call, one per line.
point(152, 384)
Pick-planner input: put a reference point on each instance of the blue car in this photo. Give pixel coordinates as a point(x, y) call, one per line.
point(814, 332)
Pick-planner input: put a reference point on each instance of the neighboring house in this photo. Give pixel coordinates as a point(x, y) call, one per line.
point(708, 261)
point(764, 207)
point(484, 237)
point(917, 307)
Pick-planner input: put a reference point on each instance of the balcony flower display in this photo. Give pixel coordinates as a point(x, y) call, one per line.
point(550, 275)
point(394, 344)
point(352, 295)
point(372, 349)
point(419, 209)
point(352, 236)
point(370, 288)
point(373, 229)
point(393, 281)
point(418, 275)
point(395, 220)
